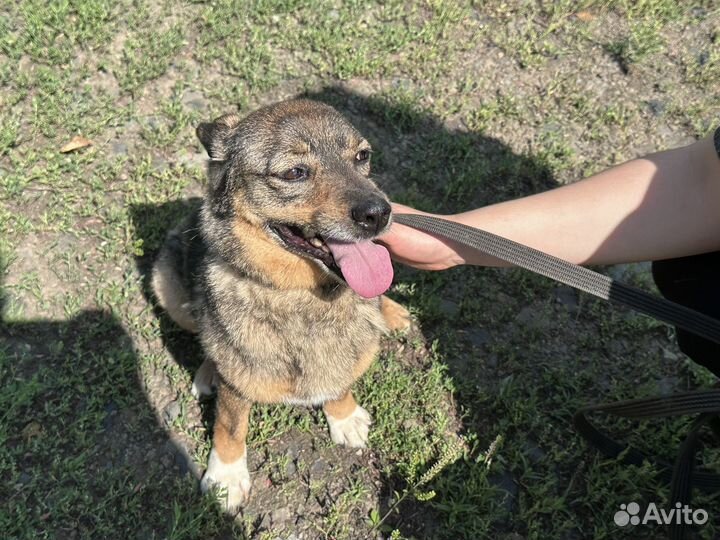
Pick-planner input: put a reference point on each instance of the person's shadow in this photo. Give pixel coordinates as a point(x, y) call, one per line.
point(84, 452)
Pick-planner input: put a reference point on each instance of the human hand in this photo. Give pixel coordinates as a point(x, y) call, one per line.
point(416, 248)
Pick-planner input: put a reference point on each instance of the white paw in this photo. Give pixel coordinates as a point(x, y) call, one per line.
point(351, 431)
point(204, 383)
point(229, 482)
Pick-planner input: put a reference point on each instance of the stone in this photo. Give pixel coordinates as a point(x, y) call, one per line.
point(656, 107)
point(194, 100)
point(449, 308)
point(567, 296)
point(171, 412)
point(318, 468)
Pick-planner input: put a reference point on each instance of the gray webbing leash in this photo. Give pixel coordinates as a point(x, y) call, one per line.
point(567, 273)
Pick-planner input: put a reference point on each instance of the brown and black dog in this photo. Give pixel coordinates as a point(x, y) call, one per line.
point(278, 274)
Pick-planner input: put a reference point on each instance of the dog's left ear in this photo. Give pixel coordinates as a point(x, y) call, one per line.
point(216, 136)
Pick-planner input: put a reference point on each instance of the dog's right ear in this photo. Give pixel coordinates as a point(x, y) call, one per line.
point(216, 136)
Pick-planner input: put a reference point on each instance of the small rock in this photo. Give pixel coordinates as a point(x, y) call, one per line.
point(318, 468)
point(656, 107)
point(290, 469)
point(567, 296)
point(171, 412)
point(194, 100)
point(449, 308)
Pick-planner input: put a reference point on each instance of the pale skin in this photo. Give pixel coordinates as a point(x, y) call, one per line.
point(661, 206)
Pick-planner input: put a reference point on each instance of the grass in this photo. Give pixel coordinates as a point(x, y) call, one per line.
point(466, 103)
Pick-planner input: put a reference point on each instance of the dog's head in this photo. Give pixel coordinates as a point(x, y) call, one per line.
point(294, 179)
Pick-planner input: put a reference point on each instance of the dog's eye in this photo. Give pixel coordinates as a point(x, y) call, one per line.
point(296, 173)
point(362, 155)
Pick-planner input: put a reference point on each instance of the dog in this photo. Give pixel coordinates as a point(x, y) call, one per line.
point(278, 274)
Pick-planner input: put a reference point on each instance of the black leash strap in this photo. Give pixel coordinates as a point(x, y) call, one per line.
point(567, 273)
point(705, 404)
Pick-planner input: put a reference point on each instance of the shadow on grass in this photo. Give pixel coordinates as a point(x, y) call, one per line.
point(81, 449)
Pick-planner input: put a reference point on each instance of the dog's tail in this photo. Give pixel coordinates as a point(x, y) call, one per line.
point(168, 284)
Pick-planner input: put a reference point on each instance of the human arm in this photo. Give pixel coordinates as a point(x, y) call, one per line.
point(661, 206)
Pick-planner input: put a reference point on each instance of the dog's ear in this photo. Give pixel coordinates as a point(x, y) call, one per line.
point(216, 136)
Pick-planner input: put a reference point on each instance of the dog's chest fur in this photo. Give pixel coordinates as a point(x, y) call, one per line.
point(305, 347)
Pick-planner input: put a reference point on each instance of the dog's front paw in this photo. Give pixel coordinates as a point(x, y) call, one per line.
point(396, 317)
point(351, 431)
point(229, 482)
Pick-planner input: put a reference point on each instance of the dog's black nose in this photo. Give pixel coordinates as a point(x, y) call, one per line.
point(372, 214)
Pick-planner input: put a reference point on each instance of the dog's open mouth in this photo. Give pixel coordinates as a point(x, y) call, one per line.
point(364, 265)
point(307, 243)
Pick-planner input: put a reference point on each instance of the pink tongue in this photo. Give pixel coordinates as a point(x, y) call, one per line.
point(365, 266)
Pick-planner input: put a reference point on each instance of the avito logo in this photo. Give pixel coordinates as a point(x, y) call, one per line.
point(629, 514)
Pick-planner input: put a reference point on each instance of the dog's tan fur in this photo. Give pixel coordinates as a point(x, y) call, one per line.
point(275, 326)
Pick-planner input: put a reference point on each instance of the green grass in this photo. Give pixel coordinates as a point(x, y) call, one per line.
point(466, 103)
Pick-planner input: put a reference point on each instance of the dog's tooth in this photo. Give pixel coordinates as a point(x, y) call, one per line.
point(316, 242)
